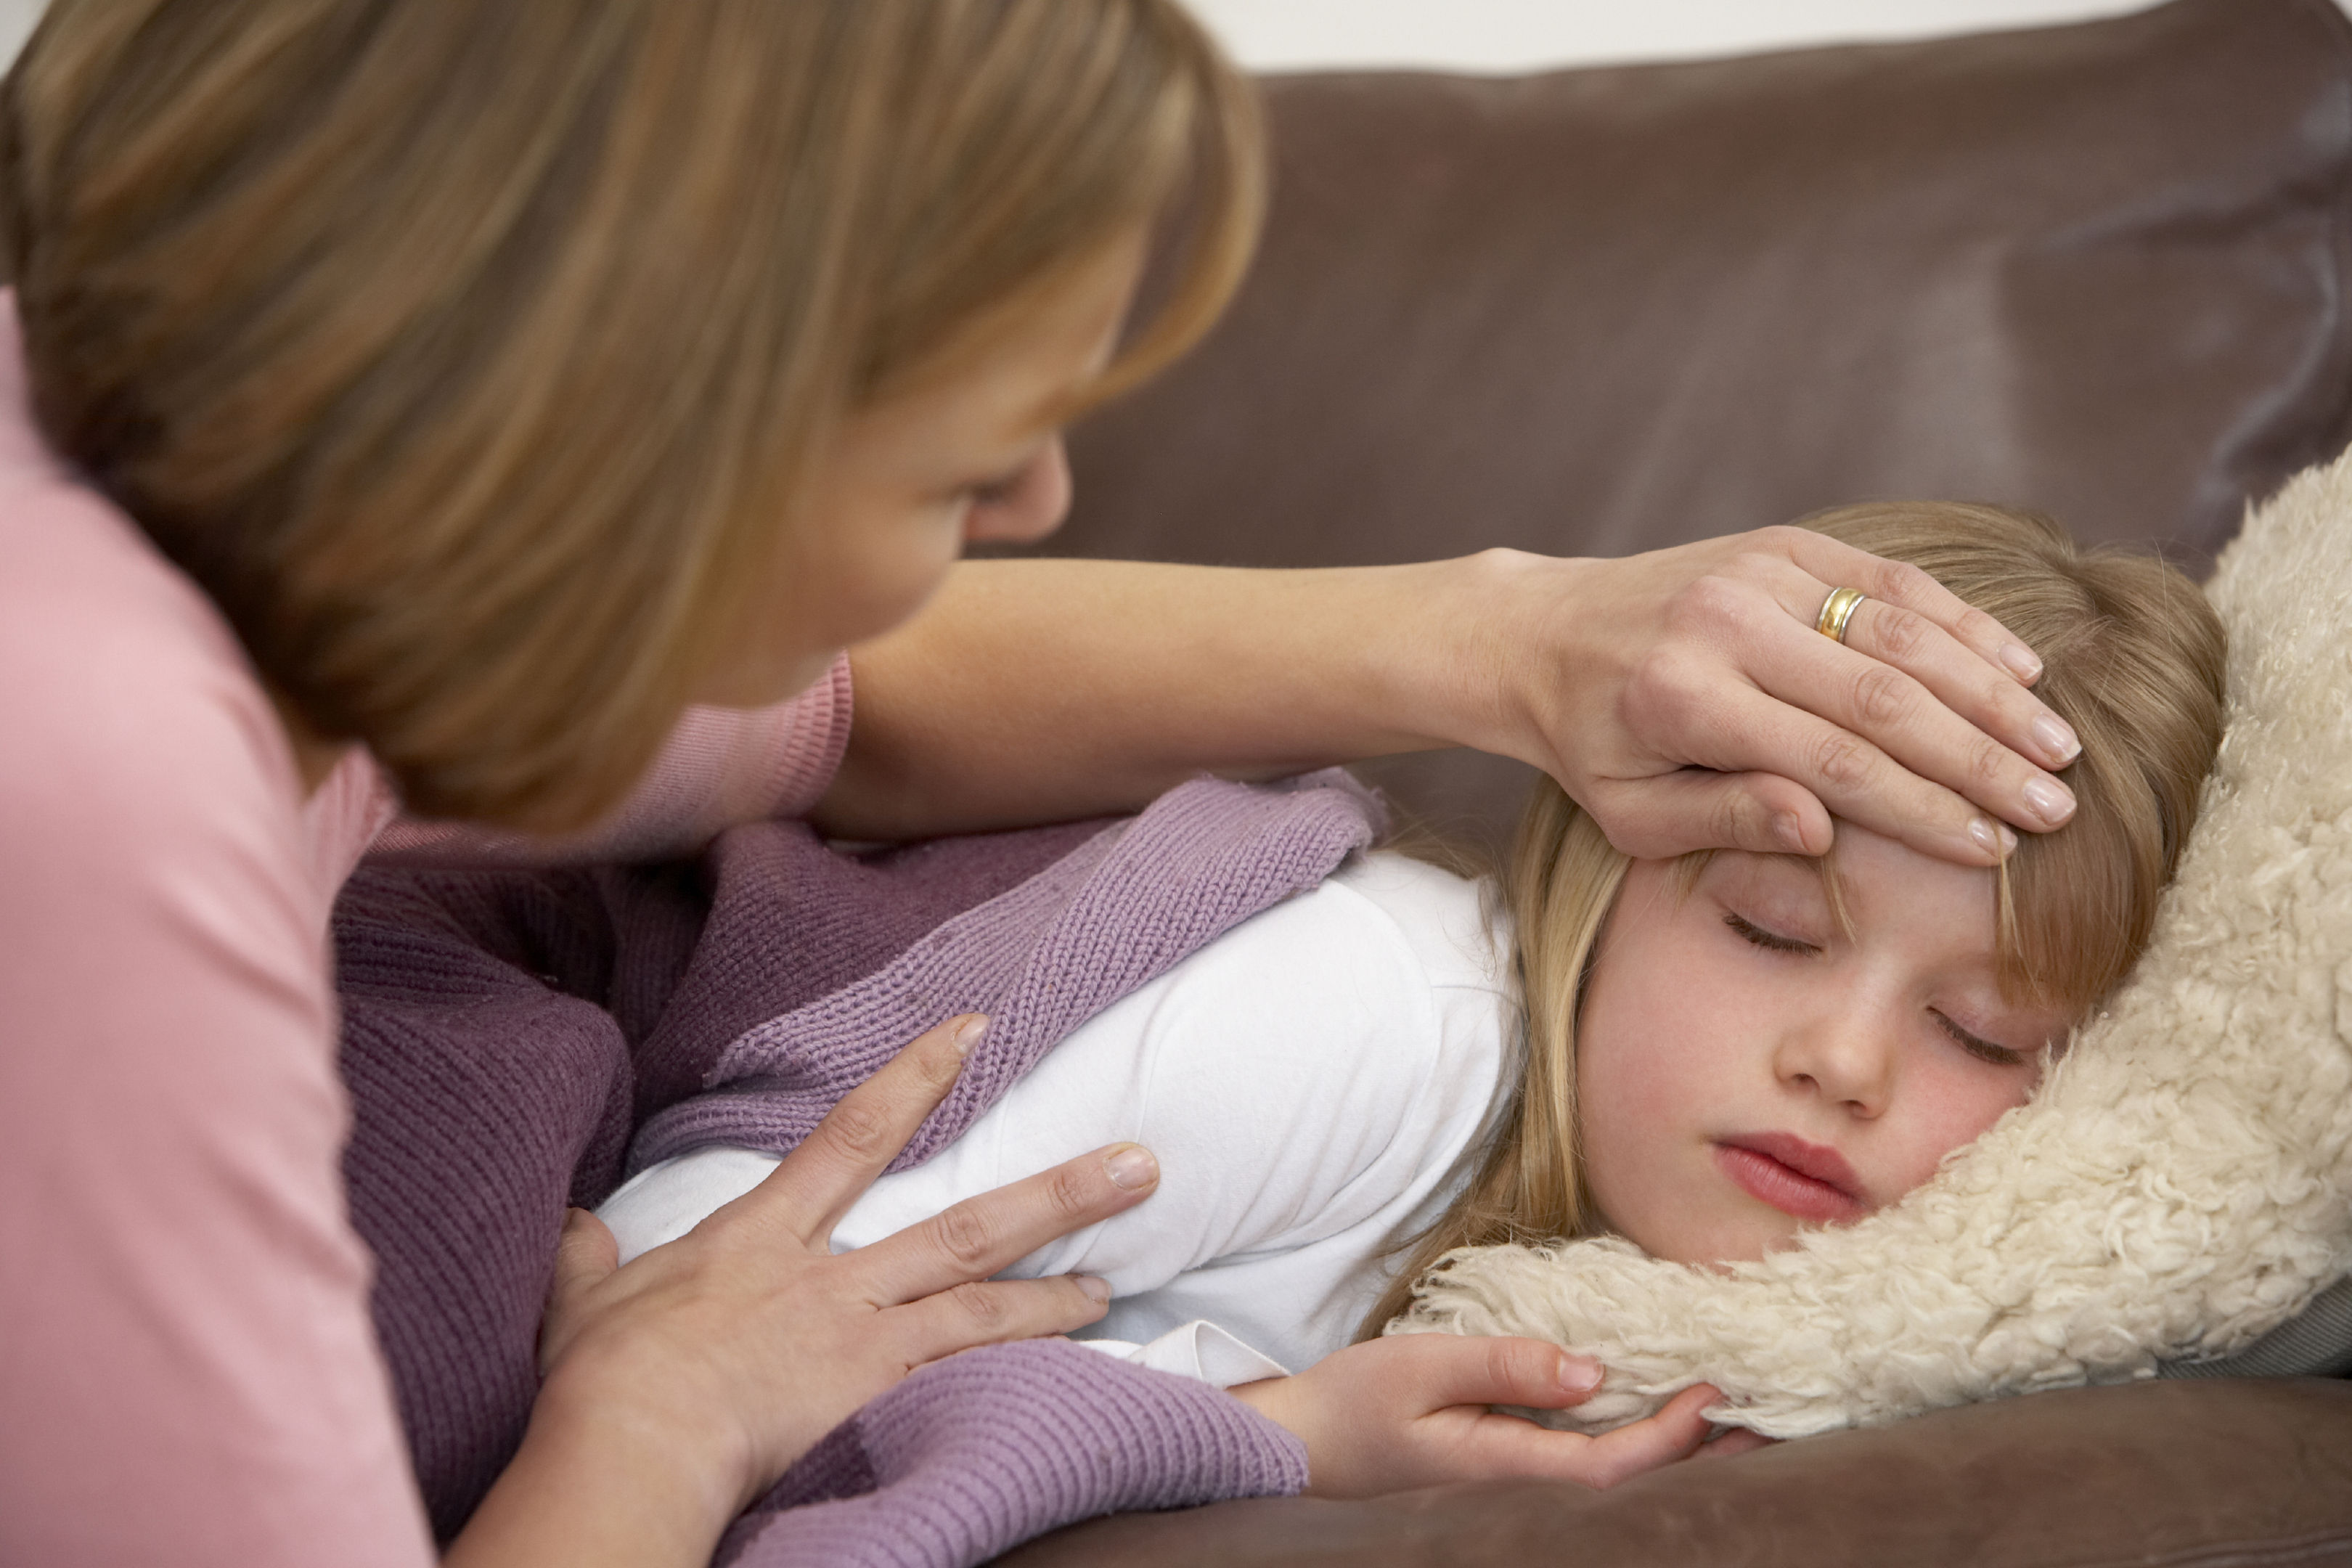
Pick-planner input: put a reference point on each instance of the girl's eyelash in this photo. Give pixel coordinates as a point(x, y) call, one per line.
point(1984, 1050)
point(1770, 940)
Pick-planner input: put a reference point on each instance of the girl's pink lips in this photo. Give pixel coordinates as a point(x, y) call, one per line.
point(1807, 1181)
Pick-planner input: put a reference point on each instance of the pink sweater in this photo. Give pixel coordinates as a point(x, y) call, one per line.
point(187, 1369)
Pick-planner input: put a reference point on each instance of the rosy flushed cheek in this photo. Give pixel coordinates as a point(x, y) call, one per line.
point(1642, 1136)
point(1951, 1111)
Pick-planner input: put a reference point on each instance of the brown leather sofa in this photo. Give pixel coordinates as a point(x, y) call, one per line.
point(2103, 270)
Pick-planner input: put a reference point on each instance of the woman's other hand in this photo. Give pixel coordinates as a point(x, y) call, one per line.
point(1412, 1411)
point(717, 1359)
point(1684, 698)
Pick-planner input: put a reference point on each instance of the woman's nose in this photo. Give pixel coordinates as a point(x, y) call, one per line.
point(1849, 1060)
point(1027, 507)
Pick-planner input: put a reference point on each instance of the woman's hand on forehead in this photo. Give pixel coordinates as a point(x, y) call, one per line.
point(1684, 698)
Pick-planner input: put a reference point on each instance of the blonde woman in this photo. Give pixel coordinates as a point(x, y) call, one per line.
point(509, 411)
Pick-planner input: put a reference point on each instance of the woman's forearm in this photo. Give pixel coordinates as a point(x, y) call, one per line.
point(1031, 691)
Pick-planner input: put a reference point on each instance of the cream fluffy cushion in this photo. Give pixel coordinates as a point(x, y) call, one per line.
point(2181, 1185)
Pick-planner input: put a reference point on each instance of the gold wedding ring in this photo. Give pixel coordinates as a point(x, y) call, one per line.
point(1836, 611)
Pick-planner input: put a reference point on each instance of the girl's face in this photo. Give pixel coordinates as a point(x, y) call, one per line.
point(1745, 1069)
point(973, 455)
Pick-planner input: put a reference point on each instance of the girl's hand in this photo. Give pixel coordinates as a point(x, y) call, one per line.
point(1410, 1411)
point(732, 1349)
point(1683, 698)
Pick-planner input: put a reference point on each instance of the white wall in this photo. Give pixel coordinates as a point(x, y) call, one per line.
point(1525, 35)
point(17, 19)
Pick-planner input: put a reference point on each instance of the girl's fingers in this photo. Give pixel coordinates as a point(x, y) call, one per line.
point(983, 1235)
point(818, 1182)
point(1730, 1444)
point(1673, 1433)
point(1497, 1369)
point(994, 1312)
point(1497, 1445)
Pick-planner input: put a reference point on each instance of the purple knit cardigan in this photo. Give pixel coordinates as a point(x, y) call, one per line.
point(507, 1032)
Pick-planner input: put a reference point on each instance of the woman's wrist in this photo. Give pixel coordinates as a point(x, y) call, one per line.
point(601, 1478)
point(1481, 650)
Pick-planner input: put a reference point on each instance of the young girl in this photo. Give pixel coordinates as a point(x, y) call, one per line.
point(1703, 1055)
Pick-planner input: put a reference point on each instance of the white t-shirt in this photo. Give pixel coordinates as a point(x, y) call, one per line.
point(1314, 1084)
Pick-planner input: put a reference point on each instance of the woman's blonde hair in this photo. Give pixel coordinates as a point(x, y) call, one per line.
point(2133, 660)
point(472, 357)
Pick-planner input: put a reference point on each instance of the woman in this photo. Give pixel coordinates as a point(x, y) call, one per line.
point(434, 403)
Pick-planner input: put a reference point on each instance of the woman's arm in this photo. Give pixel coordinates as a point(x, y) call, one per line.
point(1031, 689)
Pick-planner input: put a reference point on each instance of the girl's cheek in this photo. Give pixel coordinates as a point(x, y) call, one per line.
point(1963, 1107)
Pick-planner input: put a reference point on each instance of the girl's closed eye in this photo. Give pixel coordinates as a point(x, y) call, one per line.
point(1759, 936)
point(1981, 1048)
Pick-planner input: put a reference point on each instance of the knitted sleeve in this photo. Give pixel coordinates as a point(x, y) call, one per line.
point(971, 1455)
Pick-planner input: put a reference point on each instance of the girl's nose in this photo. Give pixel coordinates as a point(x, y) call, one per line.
point(1849, 1059)
point(1027, 507)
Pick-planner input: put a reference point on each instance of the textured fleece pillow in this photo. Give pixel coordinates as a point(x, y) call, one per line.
point(2180, 1187)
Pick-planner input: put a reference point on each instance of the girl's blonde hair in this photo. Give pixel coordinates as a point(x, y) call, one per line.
point(473, 357)
point(2133, 659)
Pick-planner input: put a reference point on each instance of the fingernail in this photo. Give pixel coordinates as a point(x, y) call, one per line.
point(2049, 800)
point(1993, 837)
point(969, 1032)
point(1132, 1167)
point(1098, 1290)
point(2022, 662)
point(1789, 832)
point(1579, 1374)
point(2056, 739)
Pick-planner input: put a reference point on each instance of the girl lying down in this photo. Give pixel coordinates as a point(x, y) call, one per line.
point(1702, 1056)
